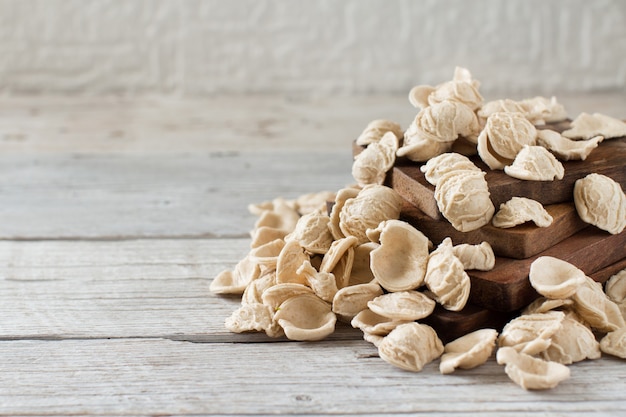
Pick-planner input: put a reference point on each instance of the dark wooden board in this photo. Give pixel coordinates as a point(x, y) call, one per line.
point(522, 241)
point(608, 159)
point(453, 324)
point(506, 287)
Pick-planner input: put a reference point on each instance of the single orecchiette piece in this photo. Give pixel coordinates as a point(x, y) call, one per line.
point(544, 305)
point(419, 148)
point(601, 202)
point(349, 301)
point(265, 234)
point(324, 284)
point(531, 333)
point(503, 137)
point(436, 167)
point(596, 309)
point(281, 214)
point(361, 270)
point(445, 121)
point(480, 257)
point(308, 203)
point(312, 232)
point(446, 277)
point(462, 88)
point(342, 196)
point(339, 259)
point(519, 210)
point(555, 278)
point(399, 263)
point(376, 129)
point(614, 343)
point(371, 165)
point(615, 289)
point(235, 281)
point(250, 317)
point(538, 110)
point(291, 257)
point(275, 295)
point(586, 126)
point(375, 324)
point(535, 163)
point(253, 293)
point(468, 351)
point(566, 149)
point(372, 205)
point(404, 305)
point(463, 199)
point(531, 373)
point(410, 346)
point(267, 255)
point(573, 342)
point(306, 317)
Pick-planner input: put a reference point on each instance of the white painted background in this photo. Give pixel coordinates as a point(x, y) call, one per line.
point(193, 47)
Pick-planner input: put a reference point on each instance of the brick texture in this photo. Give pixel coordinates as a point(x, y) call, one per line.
point(193, 47)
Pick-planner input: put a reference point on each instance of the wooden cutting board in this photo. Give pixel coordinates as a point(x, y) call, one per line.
point(506, 287)
point(453, 324)
point(518, 242)
point(609, 158)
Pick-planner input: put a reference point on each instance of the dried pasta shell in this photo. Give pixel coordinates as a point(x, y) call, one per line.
point(361, 271)
point(376, 129)
point(573, 342)
point(350, 301)
point(399, 263)
point(410, 346)
point(566, 149)
point(375, 324)
point(371, 165)
point(503, 137)
point(250, 317)
point(235, 281)
point(480, 257)
point(291, 257)
point(339, 259)
point(614, 343)
point(596, 309)
point(531, 333)
point(535, 163)
point(463, 199)
point(446, 278)
point(586, 126)
point(372, 205)
point(519, 210)
point(306, 317)
point(312, 232)
point(531, 373)
point(404, 305)
point(343, 195)
point(324, 284)
point(554, 278)
point(601, 202)
point(436, 167)
point(468, 351)
point(274, 296)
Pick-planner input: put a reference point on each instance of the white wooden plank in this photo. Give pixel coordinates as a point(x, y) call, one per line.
point(147, 377)
point(79, 124)
point(54, 196)
point(136, 288)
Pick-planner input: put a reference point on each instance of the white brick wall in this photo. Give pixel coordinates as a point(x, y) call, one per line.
point(191, 47)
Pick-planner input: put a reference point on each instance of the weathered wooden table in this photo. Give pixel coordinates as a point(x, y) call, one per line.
point(116, 214)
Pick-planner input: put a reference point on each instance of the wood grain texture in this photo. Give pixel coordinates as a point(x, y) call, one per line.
point(519, 242)
point(163, 377)
point(115, 216)
point(607, 159)
point(110, 196)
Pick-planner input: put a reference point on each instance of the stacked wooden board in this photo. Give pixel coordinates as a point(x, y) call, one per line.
point(499, 294)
